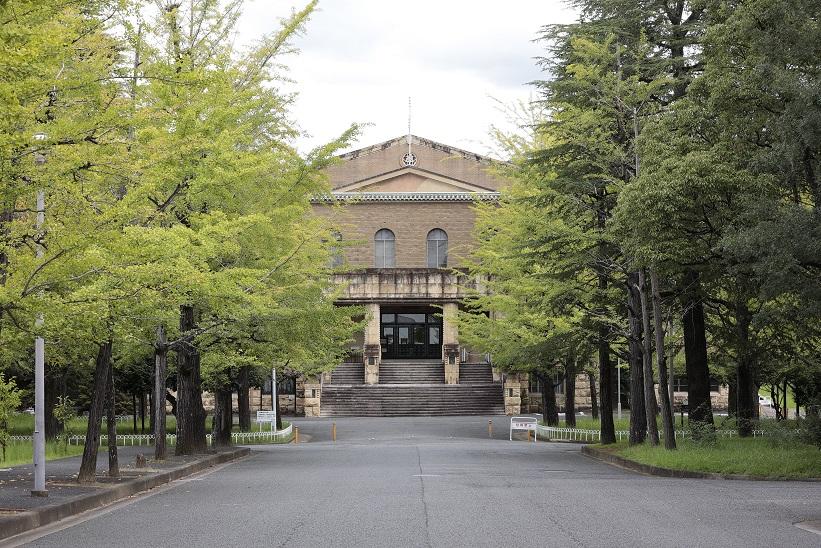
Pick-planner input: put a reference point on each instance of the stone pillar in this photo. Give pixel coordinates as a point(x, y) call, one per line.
point(313, 395)
point(513, 395)
point(372, 353)
point(450, 343)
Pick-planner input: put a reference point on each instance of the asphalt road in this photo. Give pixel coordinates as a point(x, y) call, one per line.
point(441, 482)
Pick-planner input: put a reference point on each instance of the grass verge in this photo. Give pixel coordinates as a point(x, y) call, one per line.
point(21, 453)
point(746, 456)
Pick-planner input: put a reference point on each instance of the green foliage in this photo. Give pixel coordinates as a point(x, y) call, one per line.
point(64, 413)
point(753, 456)
point(810, 431)
point(171, 180)
point(9, 402)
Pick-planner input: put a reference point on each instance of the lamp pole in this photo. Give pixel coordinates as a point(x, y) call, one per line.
point(618, 383)
point(39, 439)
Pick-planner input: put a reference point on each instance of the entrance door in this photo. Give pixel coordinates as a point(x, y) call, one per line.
point(415, 333)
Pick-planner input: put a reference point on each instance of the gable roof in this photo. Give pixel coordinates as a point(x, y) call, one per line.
point(447, 149)
point(437, 168)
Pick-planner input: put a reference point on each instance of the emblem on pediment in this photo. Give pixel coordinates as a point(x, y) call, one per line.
point(409, 159)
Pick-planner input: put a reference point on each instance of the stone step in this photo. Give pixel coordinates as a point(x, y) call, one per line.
point(349, 373)
point(475, 373)
point(412, 400)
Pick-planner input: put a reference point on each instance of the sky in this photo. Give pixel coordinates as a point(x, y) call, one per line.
point(460, 61)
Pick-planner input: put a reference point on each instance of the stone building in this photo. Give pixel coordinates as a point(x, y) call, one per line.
point(405, 218)
point(404, 209)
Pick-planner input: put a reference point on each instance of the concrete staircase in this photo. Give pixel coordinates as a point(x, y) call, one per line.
point(349, 373)
point(411, 372)
point(411, 388)
point(401, 400)
point(471, 373)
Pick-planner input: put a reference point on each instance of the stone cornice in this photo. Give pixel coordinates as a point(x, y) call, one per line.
point(407, 197)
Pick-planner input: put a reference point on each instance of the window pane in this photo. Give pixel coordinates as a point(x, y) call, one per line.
point(410, 318)
point(388, 318)
point(390, 254)
point(442, 253)
point(404, 335)
point(433, 335)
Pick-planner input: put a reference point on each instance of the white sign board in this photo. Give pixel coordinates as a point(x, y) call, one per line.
point(523, 423)
point(266, 416)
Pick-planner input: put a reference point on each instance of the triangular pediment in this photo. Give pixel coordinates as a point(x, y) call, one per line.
point(411, 180)
point(434, 167)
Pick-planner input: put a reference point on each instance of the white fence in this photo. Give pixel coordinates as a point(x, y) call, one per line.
point(582, 434)
point(128, 440)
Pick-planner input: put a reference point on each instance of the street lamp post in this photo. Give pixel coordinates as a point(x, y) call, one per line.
point(39, 439)
point(618, 383)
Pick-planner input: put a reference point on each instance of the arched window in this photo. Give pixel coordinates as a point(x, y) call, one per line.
point(384, 249)
point(437, 248)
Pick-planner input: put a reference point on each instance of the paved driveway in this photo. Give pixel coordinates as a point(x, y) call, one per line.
point(441, 482)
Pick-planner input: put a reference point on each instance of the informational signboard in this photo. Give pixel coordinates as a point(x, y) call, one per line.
point(266, 416)
point(523, 423)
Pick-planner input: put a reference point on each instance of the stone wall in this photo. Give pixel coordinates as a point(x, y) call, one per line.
point(410, 222)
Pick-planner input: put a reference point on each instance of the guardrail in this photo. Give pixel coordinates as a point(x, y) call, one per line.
point(132, 440)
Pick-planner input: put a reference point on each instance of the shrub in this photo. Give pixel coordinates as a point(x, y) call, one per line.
point(810, 431)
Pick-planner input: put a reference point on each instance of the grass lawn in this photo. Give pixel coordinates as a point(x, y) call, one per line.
point(752, 456)
point(21, 453)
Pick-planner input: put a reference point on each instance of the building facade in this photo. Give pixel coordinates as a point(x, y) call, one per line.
point(405, 214)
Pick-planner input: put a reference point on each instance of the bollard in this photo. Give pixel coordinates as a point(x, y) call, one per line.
point(296, 434)
point(490, 428)
point(333, 431)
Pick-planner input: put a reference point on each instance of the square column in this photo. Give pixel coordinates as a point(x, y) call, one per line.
point(372, 353)
point(450, 343)
point(513, 395)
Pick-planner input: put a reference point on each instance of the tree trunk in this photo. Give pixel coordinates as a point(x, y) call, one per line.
point(111, 423)
point(151, 412)
point(53, 426)
point(275, 401)
point(661, 356)
point(570, 392)
point(647, 357)
point(190, 413)
point(695, 351)
point(594, 397)
point(158, 396)
point(88, 466)
point(142, 413)
point(223, 418)
point(243, 400)
point(134, 412)
point(550, 411)
point(638, 420)
point(745, 374)
point(608, 429)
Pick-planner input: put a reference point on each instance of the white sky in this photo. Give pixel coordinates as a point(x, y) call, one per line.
point(360, 60)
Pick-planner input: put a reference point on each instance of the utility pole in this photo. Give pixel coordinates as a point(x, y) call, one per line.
point(39, 438)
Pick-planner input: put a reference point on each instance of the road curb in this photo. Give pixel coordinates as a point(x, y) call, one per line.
point(650, 470)
point(31, 519)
